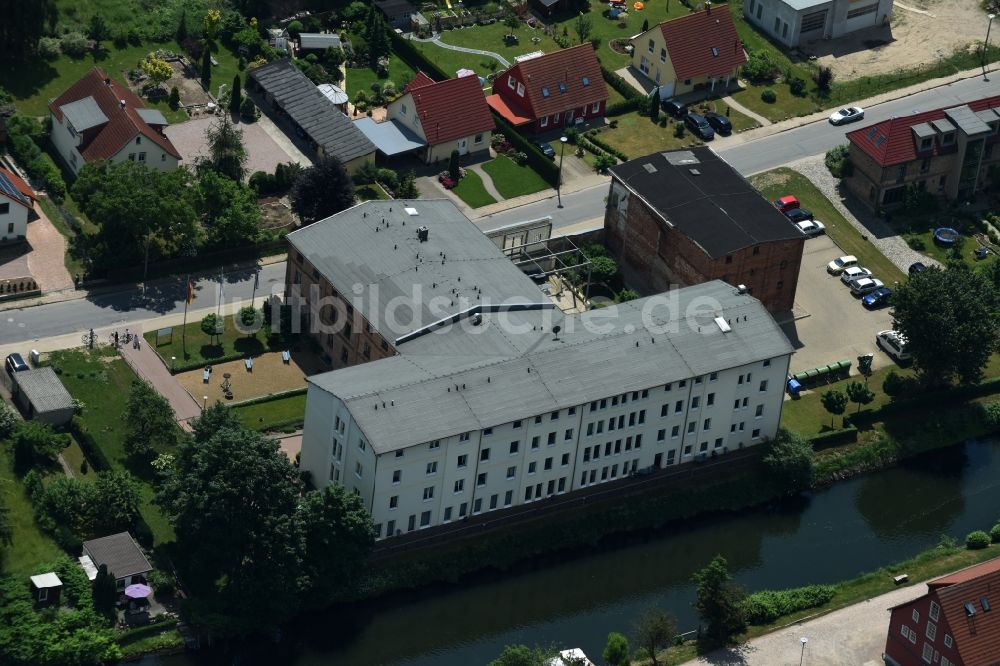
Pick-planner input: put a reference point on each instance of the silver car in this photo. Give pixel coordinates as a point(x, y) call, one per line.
point(854, 273)
point(865, 286)
point(893, 343)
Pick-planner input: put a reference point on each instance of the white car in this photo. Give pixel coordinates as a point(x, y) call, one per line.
point(847, 115)
point(854, 273)
point(865, 286)
point(837, 266)
point(893, 343)
point(811, 227)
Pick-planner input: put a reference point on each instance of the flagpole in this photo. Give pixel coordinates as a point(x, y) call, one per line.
point(253, 295)
point(218, 309)
point(187, 300)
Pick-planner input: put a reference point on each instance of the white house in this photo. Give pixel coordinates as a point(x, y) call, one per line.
point(796, 22)
point(99, 119)
point(17, 206)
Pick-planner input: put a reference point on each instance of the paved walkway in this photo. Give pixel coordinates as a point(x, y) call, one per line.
point(48, 247)
point(745, 111)
point(436, 39)
point(852, 636)
point(147, 364)
point(487, 181)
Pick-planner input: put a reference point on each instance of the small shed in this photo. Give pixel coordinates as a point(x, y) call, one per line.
point(122, 555)
point(42, 396)
point(45, 589)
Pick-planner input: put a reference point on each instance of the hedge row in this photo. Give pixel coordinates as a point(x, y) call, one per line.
point(623, 107)
point(30, 157)
point(409, 54)
point(768, 605)
point(621, 85)
point(545, 167)
point(825, 440)
point(272, 397)
point(88, 445)
point(607, 148)
point(928, 400)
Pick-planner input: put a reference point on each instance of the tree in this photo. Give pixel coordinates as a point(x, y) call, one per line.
point(378, 38)
point(182, 29)
point(206, 68)
point(719, 602)
point(859, 393)
point(6, 529)
point(408, 186)
point(236, 96)
point(453, 169)
point(149, 421)
point(835, 402)
point(175, 98)
point(949, 319)
point(603, 269)
point(789, 461)
point(116, 500)
point(226, 153)
point(334, 521)
point(211, 22)
point(645, 27)
point(654, 107)
point(22, 27)
point(322, 190)
point(522, 655)
point(216, 418)
point(231, 216)
point(655, 630)
point(583, 26)
point(105, 592)
point(512, 22)
point(248, 320)
point(616, 652)
point(157, 69)
point(212, 325)
point(8, 420)
point(34, 443)
point(98, 30)
point(823, 79)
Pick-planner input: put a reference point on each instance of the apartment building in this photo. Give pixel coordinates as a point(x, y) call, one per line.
point(948, 152)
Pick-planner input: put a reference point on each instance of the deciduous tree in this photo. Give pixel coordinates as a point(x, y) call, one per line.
point(859, 393)
point(23, 25)
point(322, 190)
point(226, 153)
point(212, 325)
point(789, 461)
point(149, 421)
point(835, 402)
point(522, 655)
point(230, 212)
point(157, 69)
point(655, 630)
point(719, 602)
point(583, 26)
point(33, 443)
point(334, 521)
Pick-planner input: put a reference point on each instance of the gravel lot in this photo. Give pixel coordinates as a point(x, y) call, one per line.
point(263, 153)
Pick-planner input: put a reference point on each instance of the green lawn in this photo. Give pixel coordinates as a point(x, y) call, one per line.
point(266, 415)
point(452, 61)
point(74, 457)
point(785, 106)
point(922, 225)
point(782, 181)
point(470, 190)
point(512, 180)
point(150, 638)
point(637, 135)
point(371, 191)
point(807, 416)
point(491, 38)
point(202, 349)
point(30, 546)
point(362, 78)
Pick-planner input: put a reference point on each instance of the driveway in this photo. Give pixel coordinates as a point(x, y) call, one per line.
point(831, 324)
point(263, 152)
point(40, 258)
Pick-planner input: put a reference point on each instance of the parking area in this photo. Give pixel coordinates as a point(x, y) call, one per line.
point(832, 324)
point(263, 153)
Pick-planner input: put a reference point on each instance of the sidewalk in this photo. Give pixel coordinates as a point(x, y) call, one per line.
point(147, 364)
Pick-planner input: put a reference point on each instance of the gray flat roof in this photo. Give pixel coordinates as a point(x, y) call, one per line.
point(390, 137)
point(120, 553)
point(988, 115)
point(319, 40)
point(84, 114)
point(967, 119)
point(799, 5)
point(44, 390)
point(596, 354)
point(312, 111)
point(923, 130)
point(942, 125)
point(152, 116)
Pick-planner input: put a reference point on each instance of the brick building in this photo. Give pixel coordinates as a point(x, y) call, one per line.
point(687, 217)
point(954, 624)
point(948, 152)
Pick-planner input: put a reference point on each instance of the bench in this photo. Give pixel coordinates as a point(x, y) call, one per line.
point(286, 357)
point(249, 363)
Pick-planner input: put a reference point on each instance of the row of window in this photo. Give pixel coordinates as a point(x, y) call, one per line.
point(463, 462)
point(608, 473)
point(634, 418)
point(595, 451)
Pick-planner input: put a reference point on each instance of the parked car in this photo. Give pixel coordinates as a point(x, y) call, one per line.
point(719, 123)
point(847, 115)
point(15, 364)
point(837, 266)
point(699, 126)
point(853, 273)
point(799, 214)
point(917, 267)
point(786, 203)
point(865, 286)
point(893, 343)
point(877, 299)
point(811, 227)
point(674, 108)
point(546, 149)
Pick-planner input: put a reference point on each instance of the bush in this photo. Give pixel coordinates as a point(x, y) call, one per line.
point(995, 533)
point(388, 178)
point(977, 540)
point(679, 129)
point(608, 148)
point(623, 107)
point(161, 582)
point(798, 87)
point(768, 605)
point(759, 67)
point(916, 242)
point(622, 86)
point(49, 48)
point(896, 386)
point(519, 157)
point(604, 162)
point(175, 98)
point(571, 134)
point(768, 96)
point(823, 79)
point(991, 414)
point(838, 162)
point(74, 44)
point(248, 110)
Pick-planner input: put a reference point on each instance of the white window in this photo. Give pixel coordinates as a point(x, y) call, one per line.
point(459, 486)
point(759, 412)
point(511, 472)
point(663, 55)
point(650, 47)
point(928, 653)
point(947, 640)
point(464, 437)
point(402, 109)
point(931, 632)
point(595, 107)
point(397, 476)
point(393, 502)
point(432, 467)
point(463, 460)
point(359, 470)
point(763, 386)
point(905, 631)
point(478, 139)
point(361, 444)
point(935, 611)
point(913, 636)
point(755, 434)
point(435, 444)
point(428, 493)
point(142, 157)
point(511, 82)
point(545, 121)
point(520, 89)
point(916, 615)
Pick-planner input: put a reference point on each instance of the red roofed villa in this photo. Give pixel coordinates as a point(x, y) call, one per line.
point(948, 152)
point(957, 623)
point(97, 118)
point(697, 51)
point(547, 91)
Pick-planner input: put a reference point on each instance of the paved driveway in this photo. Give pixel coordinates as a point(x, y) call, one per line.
point(263, 152)
point(836, 326)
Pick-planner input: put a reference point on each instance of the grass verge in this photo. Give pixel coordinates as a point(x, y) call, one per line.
point(358, 79)
point(281, 413)
point(470, 190)
point(151, 638)
point(29, 544)
point(512, 180)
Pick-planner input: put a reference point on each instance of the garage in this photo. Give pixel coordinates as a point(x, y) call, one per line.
point(860, 15)
point(813, 25)
point(667, 90)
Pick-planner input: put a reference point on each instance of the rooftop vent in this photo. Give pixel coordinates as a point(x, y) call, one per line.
point(107, 82)
point(741, 289)
point(723, 324)
point(409, 211)
point(695, 172)
point(648, 166)
point(122, 103)
point(422, 234)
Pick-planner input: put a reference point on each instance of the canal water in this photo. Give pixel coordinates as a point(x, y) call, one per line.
point(853, 527)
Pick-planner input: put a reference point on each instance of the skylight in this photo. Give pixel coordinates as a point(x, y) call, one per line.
point(872, 132)
point(880, 140)
point(715, 52)
point(562, 86)
point(985, 603)
point(970, 610)
point(545, 91)
point(586, 81)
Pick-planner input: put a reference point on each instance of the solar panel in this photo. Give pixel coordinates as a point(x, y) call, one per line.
point(7, 188)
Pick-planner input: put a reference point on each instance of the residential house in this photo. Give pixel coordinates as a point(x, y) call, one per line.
point(398, 13)
point(694, 52)
point(121, 554)
point(97, 118)
point(446, 115)
point(951, 153)
point(687, 217)
point(956, 623)
point(17, 207)
point(290, 95)
point(46, 589)
point(41, 395)
point(487, 396)
point(797, 22)
point(553, 90)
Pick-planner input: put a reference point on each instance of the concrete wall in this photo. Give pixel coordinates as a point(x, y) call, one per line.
point(784, 24)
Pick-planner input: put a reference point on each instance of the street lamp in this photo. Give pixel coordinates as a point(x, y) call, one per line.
point(562, 150)
point(802, 656)
point(986, 44)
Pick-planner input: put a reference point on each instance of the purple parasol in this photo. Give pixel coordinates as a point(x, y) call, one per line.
point(138, 591)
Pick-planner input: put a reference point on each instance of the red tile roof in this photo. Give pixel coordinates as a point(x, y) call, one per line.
point(123, 124)
point(569, 67)
point(499, 104)
point(450, 109)
point(691, 39)
point(18, 183)
point(966, 574)
point(419, 81)
point(892, 142)
point(977, 636)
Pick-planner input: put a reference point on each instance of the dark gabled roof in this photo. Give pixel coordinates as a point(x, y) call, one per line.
point(704, 43)
point(566, 79)
point(120, 553)
point(891, 141)
point(312, 111)
point(451, 109)
point(44, 390)
point(96, 97)
point(393, 8)
point(700, 194)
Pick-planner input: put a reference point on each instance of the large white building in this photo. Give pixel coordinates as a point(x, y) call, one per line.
point(501, 403)
point(798, 22)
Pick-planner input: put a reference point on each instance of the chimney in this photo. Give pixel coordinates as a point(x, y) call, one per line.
point(107, 82)
point(708, 7)
point(122, 103)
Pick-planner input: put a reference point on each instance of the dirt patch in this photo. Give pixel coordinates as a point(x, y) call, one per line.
point(270, 375)
point(188, 85)
point(765, 180)
point(277, 214)
point(920, 32)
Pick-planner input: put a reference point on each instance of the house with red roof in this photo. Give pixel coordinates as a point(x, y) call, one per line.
point(17, 207)
point(697, 51)
point(957, 623)
point(98, 118)
point(442, 115)
point(547, 91)
point(948, 152)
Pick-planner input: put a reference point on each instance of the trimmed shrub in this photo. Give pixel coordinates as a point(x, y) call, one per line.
point(623, 107)
point(995, 533)
point(74, 44)
point(49, 48)
point(768, 605)
point(619, 84)
point(798, 87)
point(608, 148)
point(679, 129)
point(768, 96)
point(838, 162)
point(545, 167)
point(977, 540)
point(991, 414)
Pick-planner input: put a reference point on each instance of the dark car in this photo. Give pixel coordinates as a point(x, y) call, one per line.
point(674, 108)
point(719, 123)
point(917, 267)
point(699, 126)
point(546, 149)
point(799, 214)
point(15, 364)
point(877, 299)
